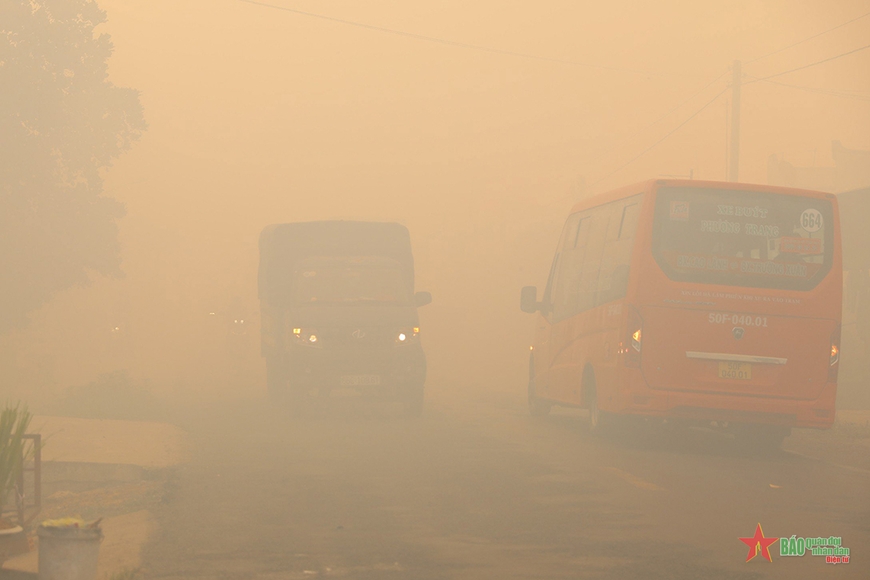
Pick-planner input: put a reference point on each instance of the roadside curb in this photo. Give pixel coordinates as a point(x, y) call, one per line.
point(111, 468)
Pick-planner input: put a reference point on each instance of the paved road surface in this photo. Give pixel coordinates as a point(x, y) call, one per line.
point(476, 489)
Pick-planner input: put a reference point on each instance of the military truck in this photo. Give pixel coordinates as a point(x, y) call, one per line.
point(339, 312)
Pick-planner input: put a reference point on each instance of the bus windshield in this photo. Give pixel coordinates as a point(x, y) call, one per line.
point(350, 280)
point(743, 238)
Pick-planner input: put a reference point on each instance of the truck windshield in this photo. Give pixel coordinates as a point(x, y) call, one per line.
point(743, 238)
point(350, 280)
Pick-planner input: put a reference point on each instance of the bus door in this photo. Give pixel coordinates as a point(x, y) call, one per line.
point(551, 333)
point(574, 290)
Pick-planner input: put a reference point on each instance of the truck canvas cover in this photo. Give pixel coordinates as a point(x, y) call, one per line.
point(283, 246)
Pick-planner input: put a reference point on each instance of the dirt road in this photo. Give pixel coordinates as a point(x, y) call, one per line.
point(477, 489)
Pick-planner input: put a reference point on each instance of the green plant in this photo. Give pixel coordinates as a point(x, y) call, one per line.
point(114, 395)
point(125, 574)
point(14, 450)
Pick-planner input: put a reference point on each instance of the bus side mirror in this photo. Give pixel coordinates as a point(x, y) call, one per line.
point(422, 299)
point(529, 299)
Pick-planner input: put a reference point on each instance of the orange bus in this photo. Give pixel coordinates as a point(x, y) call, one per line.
point(693, 301)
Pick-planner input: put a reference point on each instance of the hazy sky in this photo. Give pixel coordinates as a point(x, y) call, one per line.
point(289, 100)
point(259, 115)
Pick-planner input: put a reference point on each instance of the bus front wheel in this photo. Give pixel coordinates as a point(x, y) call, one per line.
point(537, 407)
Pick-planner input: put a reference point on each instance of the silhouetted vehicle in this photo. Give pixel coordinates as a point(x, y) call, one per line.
point(339, 311)
point(694, 301)
point(855, 371)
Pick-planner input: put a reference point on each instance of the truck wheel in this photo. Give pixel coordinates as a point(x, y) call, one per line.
point(296, 398)
point(276, 380)
point(414, 402)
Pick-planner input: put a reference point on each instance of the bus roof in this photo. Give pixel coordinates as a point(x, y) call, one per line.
point(643, 186)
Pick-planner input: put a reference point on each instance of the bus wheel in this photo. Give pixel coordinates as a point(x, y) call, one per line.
point(599, 421)
point(761, 438)
point(537, 406)
point(414, 402)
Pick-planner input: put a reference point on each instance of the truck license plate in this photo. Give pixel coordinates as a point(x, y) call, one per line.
point(735, 370)
point(360, 380)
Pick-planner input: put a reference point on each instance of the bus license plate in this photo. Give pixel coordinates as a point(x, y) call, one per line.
point(735, 370)
point(360, 380)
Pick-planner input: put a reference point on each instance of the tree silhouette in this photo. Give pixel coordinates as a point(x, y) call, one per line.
point(61, 123)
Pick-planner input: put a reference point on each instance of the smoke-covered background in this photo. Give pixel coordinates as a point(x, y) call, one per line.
point(249, 115)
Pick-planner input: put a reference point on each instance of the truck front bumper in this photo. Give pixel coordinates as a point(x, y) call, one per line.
point(384, 370)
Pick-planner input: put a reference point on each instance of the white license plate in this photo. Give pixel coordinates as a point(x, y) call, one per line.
point(735, 370)
point(360, 380)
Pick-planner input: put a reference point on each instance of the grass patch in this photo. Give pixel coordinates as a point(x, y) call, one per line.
point(125, 574)
point(853, 430)
point(112, 396)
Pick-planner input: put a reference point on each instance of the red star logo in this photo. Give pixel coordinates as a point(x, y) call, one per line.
point(758, 543)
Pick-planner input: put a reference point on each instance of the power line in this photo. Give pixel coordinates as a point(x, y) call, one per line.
point(779, 74)
point(454, 43)
point(807, 39)
point(821, 91)
point(657, 143)
point(688, 100)
point(529, 56)
point(662, 118)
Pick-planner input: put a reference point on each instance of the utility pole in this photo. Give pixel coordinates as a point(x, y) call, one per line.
point(736, 80)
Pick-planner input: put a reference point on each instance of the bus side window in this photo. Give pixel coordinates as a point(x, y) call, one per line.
point(547, 299)
point(578, 263)
point(554, 294)
point(587, 296)
point(613, 279)
point(628, 223)
point(572, 255)
point(593, 257)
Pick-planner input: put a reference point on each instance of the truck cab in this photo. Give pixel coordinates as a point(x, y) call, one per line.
point(339, 311)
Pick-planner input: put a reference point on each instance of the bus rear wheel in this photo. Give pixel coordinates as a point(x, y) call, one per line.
point(600, 422)
point(760, 438)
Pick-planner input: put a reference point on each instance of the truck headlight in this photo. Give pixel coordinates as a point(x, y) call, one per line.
point(406, 335)
point(306, 337)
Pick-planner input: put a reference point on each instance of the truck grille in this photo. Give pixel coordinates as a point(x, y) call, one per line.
point(358, 337)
